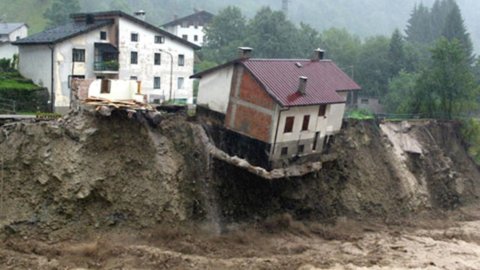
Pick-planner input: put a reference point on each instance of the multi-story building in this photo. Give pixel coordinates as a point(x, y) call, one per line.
point(109, 45)
point(274, 111)
point(190, 27)
point(10, 32)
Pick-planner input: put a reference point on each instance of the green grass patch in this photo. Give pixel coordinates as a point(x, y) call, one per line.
point(360, 114)
point(19, 85)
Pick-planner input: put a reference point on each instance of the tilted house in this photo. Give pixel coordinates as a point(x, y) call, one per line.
point(108, 45)
point(275, 110)
point(190, 27)
point(10, 32)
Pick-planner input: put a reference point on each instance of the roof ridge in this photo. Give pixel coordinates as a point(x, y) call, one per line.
point(286, 60)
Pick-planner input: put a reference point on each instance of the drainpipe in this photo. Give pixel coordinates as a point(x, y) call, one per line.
point(171, 72)
point(52, 83)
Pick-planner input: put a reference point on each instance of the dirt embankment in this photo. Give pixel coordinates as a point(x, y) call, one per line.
point(87, 190)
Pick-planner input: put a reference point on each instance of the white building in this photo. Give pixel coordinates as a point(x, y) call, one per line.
point(275, 110)
point(190, 27)
point(10, 32)
point(112, 45)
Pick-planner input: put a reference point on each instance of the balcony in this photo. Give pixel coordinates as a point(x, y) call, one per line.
point(110, 66)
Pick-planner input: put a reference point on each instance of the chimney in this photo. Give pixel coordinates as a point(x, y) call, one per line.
point(318, 54)
point(140, 14)
point(245, 52)
point(90, 19)
point(302, 85)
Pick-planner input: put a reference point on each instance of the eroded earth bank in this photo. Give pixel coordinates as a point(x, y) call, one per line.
point(120, 192)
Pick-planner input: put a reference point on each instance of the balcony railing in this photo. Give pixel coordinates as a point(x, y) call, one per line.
point(106, 65)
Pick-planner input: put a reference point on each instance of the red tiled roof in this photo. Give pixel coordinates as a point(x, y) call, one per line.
point(280, 79)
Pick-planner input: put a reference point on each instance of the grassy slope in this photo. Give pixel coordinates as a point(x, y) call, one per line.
point(29, 11)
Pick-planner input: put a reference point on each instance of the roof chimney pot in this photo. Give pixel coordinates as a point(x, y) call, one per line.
point(302, 85)
point(245, 52)
point(140, 14)
point(318, 54)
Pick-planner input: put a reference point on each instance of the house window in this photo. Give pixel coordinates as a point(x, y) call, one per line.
point(288, 124)
point(185, 37)
point(159, 39)
point(134, 37)
point(364, 100)
point(156, 82)
point(103, 35)
point(306, 121)
point(181, 60)
point(195, 38)
point(301, 148)
point(105, 87)
point(322, 110)
point(133, 58)
point(180, 81)
point(284, 151)
point(158, 59)
point(78, 55)
point(133, 78)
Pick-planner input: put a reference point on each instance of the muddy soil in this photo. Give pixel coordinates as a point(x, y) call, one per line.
point(125, 192)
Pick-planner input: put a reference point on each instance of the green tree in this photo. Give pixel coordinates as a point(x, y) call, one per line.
point(308, 39)
point(341, 46)
point(272, 35)
point(224, 35)
point(448, 86)
point(58, 13)
point(120, 5)
point(372, 68)
point(455, 29)
point(419, 29)
point(396, 53)
point(401, 91)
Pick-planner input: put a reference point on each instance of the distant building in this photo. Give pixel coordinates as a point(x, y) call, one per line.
point(276, 110)
point(10, 32)
point(190, 27)
point(108, 45)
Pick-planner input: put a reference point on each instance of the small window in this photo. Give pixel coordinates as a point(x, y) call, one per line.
point(322, 110)
point(288, 124)
point(159, 39)
point(133, 78)
point(284, 151)
point(185, 37)
point(364, 100)
point(181, 60)
point(156, 82)
point(301, 149)
point(158, 59)
point(103, 35)
point(180, 81)
point(195, 38)
point(105, 87)
point(134, 37)
point(78, 55)
point(133, 58)
point(306, 121)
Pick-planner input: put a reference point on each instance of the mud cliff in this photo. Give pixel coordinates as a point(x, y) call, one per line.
point(88, 171)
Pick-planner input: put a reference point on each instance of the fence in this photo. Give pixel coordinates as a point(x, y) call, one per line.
point(8, 106)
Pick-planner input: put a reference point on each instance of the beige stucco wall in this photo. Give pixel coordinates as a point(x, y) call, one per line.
point(7, 50)
point(190, 31)
point(214, 89)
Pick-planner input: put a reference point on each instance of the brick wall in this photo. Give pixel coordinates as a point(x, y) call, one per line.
point(252, 123)
point(251, 91)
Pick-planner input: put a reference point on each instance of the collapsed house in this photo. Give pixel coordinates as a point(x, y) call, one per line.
point(273, 112)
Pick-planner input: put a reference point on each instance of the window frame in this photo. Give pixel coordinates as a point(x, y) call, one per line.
point(289, 122)
point(78, 55)
point(132, 54)
point(155, 80)
point(306, 122)
point(159, 39)
point(155, 62)
point(322, 110)
point(181, 60)
point(103, 35)
point(134, 37)
point(180, 79)
point(284, 151)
